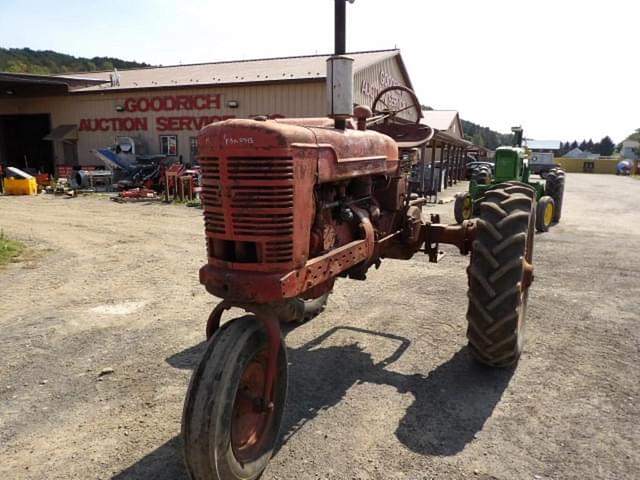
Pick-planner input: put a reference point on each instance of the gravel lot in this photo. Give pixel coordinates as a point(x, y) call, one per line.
point(110, 286)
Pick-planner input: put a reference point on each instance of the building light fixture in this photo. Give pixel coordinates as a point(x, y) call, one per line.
point(119, 108)
point(233, 103)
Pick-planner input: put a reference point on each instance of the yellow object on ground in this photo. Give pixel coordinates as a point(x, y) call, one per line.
point(20, 186)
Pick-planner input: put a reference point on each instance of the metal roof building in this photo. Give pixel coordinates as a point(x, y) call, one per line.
point(52, 121)
point(543, 145)
point(240, 72)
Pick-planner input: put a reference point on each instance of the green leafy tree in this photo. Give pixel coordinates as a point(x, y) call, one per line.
point(606, 146)
point(477, 139)
point(485, 137)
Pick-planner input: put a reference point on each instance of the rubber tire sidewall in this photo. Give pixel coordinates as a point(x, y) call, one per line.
point(540, 210)
point(314, 307)
point(206, 423)
point(482, 176)
point(554, 187)
point(300, 310)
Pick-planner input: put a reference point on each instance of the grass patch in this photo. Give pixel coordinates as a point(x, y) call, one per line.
point(9, 249)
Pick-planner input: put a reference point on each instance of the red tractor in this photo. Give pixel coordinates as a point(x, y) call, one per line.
point(292, 204)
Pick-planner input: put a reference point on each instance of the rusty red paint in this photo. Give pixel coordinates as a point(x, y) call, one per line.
point(258, 184)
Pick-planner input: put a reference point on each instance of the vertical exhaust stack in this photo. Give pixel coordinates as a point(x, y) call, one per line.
point(340, 89)
point(340, 72)
point(517, 136)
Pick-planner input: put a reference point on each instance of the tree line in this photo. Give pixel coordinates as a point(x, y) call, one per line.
point(604, 147)
point(25, 60)
point(484, 136)
point(634, 136)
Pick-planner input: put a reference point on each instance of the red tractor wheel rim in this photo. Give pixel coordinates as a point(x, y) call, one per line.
point(251, 420)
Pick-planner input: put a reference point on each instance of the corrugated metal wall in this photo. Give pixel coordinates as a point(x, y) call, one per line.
point(367, 83)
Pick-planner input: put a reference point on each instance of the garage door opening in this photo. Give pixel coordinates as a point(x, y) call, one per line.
point(22, 144)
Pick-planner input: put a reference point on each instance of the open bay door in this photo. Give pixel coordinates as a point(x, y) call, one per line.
point(65, 141)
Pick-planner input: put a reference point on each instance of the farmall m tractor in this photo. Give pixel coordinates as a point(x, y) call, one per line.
point(292, 204)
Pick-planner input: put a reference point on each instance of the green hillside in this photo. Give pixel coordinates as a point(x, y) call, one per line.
point(634, 136)
point(484, 136)
point(25, 60)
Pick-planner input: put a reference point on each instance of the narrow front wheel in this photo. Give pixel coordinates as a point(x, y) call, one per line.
point(229, 430)
point(545, 212)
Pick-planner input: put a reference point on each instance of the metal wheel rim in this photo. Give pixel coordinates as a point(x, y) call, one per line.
point(548, 214)
point(467, 207)
point(251, 422)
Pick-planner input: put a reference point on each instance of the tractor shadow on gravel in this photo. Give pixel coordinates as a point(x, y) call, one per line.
point(451, 404)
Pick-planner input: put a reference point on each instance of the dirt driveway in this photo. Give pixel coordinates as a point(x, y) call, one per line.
point(109, 286)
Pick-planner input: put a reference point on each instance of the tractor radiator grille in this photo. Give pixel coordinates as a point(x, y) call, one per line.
point(210, 168)
point(259, 225)
point(214, 222)
point(253, 212)
point(262, 197)
point(260, 168)
point(279, 251)
point(212, 195)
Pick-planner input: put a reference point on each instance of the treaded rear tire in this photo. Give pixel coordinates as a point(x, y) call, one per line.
point(482, 176)
point(554, 187)
point(497, 294)
point(209, 403)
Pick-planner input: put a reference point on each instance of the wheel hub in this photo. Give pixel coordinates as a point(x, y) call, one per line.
point(251, 418)
point(467, 207)
point(548, 214)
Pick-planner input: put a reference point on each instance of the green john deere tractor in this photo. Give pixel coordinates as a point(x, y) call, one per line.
point(511, 166)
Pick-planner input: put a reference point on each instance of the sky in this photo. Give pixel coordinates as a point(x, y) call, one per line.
point(562, 69)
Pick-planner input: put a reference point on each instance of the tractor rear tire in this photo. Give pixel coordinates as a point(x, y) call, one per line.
point(227, 435)
point(482, 176)
point(462, 207)
point(545, 212)
point(554, 187)
point(500, 273)
point(300, 310)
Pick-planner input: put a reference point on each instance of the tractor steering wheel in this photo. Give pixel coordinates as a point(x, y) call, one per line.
point(389, 105)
